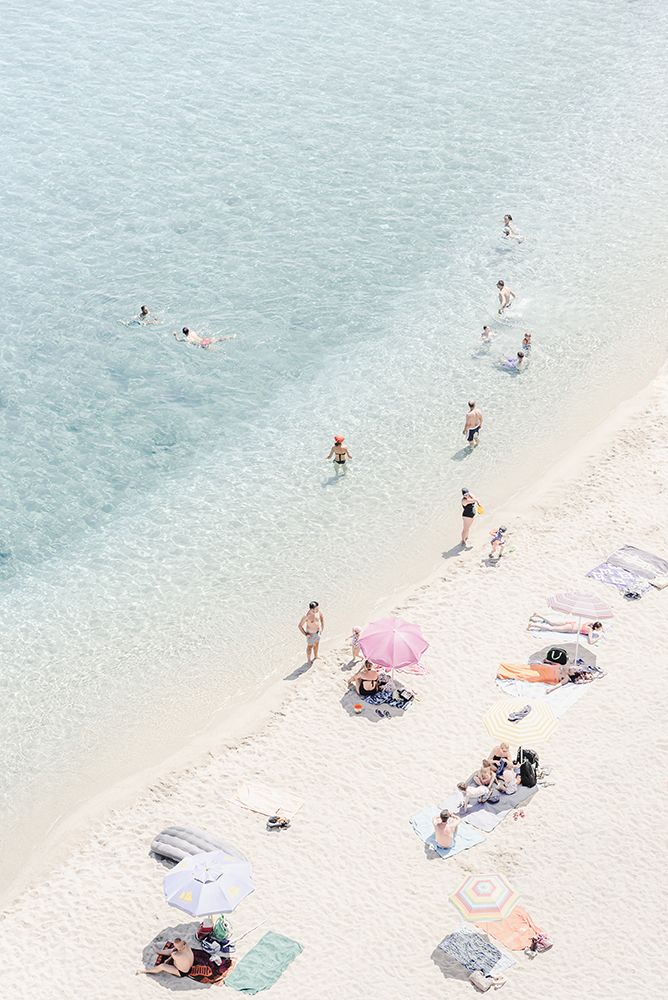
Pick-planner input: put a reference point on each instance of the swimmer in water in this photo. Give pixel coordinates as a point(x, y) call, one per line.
point(521, 361)
point(473, 424)
point(526, 342)
point(487, 335)
point(190, 337)
point(339, 452)
point(506, 297)
point(509, 225)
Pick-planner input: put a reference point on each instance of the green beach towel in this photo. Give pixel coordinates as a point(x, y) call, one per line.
point(264, 964)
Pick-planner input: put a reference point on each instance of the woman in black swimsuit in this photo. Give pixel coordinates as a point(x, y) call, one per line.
point(366, 680)
point(469, 504)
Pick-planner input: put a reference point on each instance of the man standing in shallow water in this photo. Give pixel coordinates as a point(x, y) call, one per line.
point(312, 626)
point(505, 297)
point(473, 424)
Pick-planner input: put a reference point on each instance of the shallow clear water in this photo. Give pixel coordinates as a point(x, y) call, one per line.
point(327, 184)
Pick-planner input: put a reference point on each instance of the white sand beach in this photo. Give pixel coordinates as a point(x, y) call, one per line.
point(350, 880)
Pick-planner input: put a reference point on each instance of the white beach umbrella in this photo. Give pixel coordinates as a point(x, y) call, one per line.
point(582, 605)
point(211, 882)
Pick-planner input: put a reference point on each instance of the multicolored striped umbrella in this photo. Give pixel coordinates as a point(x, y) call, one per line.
point(484, 898)
point(535, 728)
point(206, 883)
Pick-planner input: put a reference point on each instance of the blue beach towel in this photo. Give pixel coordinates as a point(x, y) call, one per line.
point(620, 578)
point(259, 969)
point(465, 836)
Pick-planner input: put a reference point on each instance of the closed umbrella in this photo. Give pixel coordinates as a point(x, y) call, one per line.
point(484, 898)
point(535, 727)
point(393, 643)
point(207, 883)
point(582, 605)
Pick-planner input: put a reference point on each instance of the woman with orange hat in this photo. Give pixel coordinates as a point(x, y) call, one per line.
point(339, 452)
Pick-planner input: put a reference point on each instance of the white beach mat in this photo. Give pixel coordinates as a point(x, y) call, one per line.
point(267, 800)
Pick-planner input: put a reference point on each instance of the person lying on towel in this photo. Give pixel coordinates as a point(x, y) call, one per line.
point(543, 673)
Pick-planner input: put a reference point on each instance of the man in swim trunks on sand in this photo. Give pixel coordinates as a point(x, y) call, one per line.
point(190, 337)
point(505, 297)
point(312, 626)
point(473, 424)
point(180, 960)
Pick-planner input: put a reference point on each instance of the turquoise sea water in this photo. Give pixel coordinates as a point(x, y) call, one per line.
point(328, 184)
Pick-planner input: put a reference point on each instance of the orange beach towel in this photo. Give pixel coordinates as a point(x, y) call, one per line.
point(546, 673)
point(516, 932)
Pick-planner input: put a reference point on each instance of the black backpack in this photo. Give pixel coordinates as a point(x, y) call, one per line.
point(528, 761)
point(556, 655)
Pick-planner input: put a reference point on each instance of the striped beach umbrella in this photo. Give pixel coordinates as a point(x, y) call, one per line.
point(207, 883)
point(583, 606)
point(484, 898)
point(535, 727)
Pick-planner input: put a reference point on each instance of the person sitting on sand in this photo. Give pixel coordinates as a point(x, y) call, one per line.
point(190, 337)
point(179, 960)
point(445, 826)
point(506, 779)
point(367, 680)
point(591, 630)
point(481, 785)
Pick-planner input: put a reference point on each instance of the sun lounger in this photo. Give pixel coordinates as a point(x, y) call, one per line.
point(465, 835)
point(264, 964)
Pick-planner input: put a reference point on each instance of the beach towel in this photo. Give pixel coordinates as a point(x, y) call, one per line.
point(267, 800)
point(560, 699)
point(516, 932)
point(486, 816)
point(259, 969)
point(639, 561)
point(475, 951)
point(465, 835)
point(543, 673)
point(204, 969)
point(622, 579)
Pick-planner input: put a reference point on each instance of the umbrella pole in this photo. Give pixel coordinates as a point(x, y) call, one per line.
point(577, 640)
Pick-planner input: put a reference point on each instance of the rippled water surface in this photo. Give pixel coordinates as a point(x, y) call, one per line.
point(326, 183)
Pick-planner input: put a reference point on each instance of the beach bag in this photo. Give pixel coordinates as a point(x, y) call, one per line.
point(481, 982)
point(528, 761)
point(556, 655)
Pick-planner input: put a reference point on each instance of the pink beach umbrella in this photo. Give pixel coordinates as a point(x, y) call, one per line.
point(393, 643)
point(582, 605)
